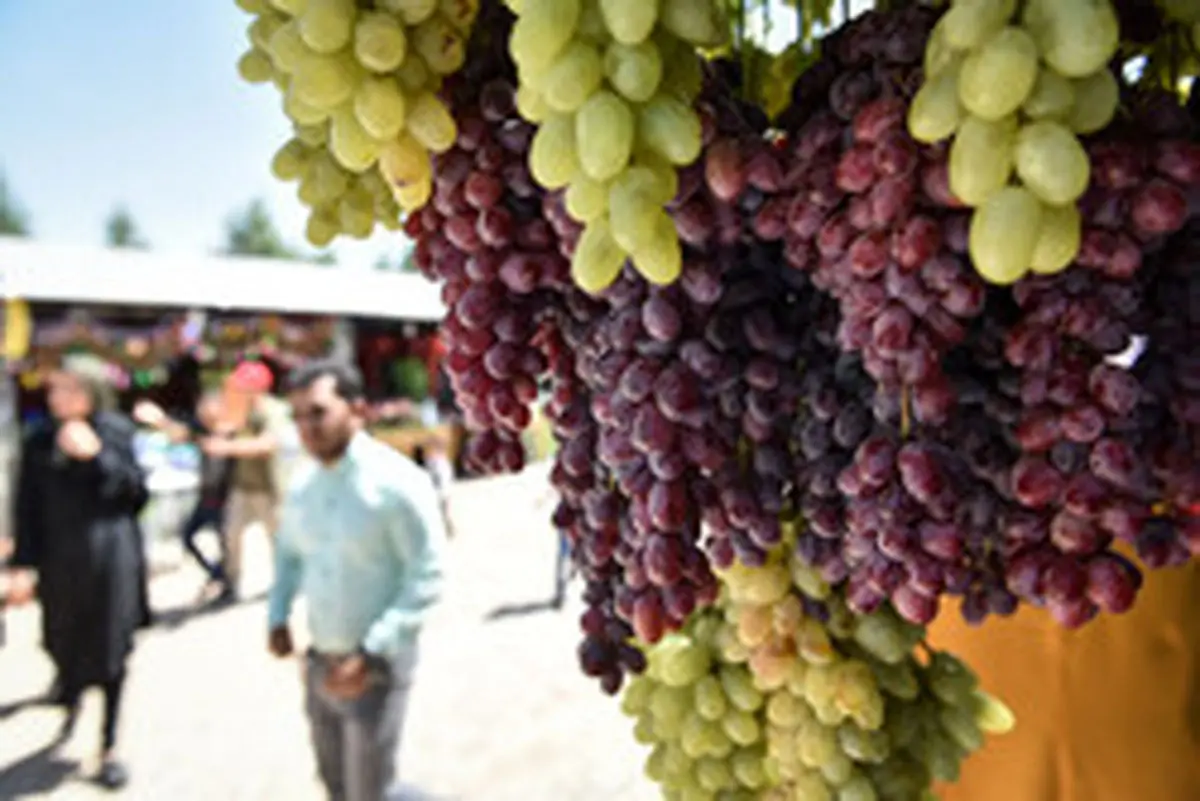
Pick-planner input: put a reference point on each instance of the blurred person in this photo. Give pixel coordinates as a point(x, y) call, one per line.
point(362, 537)
point(252, 449)
point(215, 473)
point(79, 547)
point(434, 456)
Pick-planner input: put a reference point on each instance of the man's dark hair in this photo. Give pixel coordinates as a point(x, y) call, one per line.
point(347, 378)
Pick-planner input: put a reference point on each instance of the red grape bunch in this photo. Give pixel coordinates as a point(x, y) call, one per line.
point(871, 217)
point(484, 235)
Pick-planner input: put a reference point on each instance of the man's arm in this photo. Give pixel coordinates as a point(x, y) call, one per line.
point(418, 535)
point(286, 584)
point(256, 447)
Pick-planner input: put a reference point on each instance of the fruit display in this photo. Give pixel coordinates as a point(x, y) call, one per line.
point(926, 341)
point(359, 85)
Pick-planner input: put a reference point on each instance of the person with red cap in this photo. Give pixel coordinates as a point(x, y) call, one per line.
point(254, 490)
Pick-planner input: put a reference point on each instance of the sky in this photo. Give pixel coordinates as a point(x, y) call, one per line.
point(138, 103)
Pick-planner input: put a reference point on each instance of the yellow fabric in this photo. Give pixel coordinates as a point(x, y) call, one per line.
point(1107, 713)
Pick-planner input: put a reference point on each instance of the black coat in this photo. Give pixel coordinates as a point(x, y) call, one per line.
point(76, 524)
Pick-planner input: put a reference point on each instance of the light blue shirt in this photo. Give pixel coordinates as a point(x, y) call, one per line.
point(364, 541)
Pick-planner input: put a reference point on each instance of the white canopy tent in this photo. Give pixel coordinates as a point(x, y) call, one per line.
point(72, 274)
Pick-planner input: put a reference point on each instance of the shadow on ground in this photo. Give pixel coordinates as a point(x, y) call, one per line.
point(520, 610)
point(37, 774)
point(175, 616)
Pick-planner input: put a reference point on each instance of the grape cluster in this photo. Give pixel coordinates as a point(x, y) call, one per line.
point(702, 716)
point(610, 84)
point(849, 710)
point(484, 235)
point(359, 83)
point(1014, 93)
point(870, 217)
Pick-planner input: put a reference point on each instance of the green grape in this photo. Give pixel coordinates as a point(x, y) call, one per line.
point(573, 77)
point(631, 207)
point(1052, 163)
point(939, 55)
point(414, 74)
point(981, 158)
point(440, 44)
point(629, 21)
point(644, 731)
point(327, 25)
point(325, 82)
point(543, 28)
point(683, 76)
point(253, 6)
point(884, 636)
point(460, 13)
point(412, 12)
point(997, 78)
point(861, 745)
point(379, 42)
point(292, 8)
point(670, 704)
point(300, 112)
point(710, 698)
point(290, 161)
point(899, 681)
point(355, 220)
point(380, 108)
point(787, 711)
point(670, 128)
point(351, 145)
point(553, 154)
point(837, 769)
point(935, 112)
point(604, 131)
point(312, 135)
point(858, 788)
point(321, 228)
point(969, 23)
point(741, 727)
point(693, 736)
point(679, 661)
point(960, 724)
point(1004, 232)
point(1052, 97)
point(715, 775)
point(404, 161)
point(1081, 36)
point(531, 105)
point(262, 29)
point(698, 22)
point(656, 769)
point(634, 70)
point(1096, 100)
point(660, 261)
point(811, 786)
point(949, 679)
point(286, 48)
point(411, 197)
point(430, 123)
point(255, 66)
point(813, 643)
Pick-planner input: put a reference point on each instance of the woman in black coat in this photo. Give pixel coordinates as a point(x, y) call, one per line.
point(78, 497)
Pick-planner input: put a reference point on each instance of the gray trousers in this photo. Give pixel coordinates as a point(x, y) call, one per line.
point(356, 741)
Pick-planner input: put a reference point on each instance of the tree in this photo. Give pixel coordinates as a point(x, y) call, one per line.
point(14, 220)
point(252, 232)
point(121, 231)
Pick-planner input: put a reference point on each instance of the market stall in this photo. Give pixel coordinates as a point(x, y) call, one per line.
point(166, 340)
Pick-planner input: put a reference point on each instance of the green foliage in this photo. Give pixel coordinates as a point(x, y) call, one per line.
point(14, 220)
point(252, 232)
point(122, 232)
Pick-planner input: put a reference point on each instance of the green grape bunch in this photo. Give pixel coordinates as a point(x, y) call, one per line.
point(610, 84)
point(359, 83)
point(1015, 86)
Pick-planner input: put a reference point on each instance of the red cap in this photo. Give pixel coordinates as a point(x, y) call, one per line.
point(252, 377)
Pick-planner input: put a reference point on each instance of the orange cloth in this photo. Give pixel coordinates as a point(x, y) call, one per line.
point(1107, 713)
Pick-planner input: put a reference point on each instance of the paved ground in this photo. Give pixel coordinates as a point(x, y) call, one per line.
point(499, 711)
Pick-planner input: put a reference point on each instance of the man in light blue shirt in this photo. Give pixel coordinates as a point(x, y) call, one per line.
point(361, 535)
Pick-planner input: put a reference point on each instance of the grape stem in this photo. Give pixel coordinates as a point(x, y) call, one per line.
point(905, 411)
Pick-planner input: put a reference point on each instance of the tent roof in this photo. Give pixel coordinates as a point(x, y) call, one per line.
point(48, 273)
